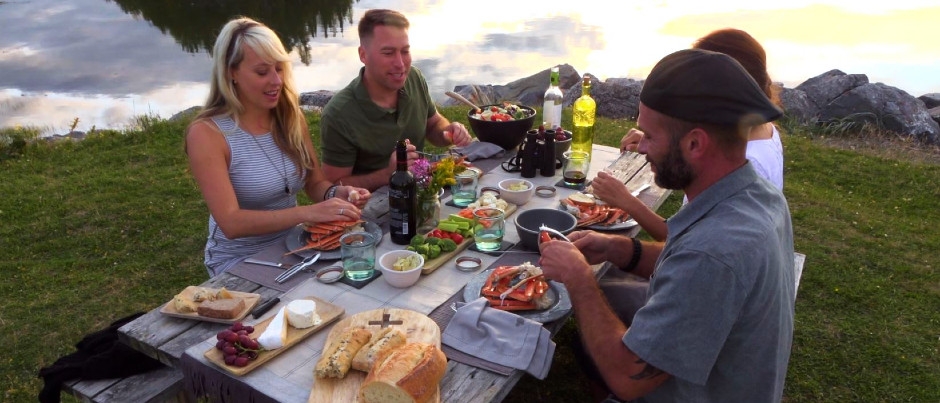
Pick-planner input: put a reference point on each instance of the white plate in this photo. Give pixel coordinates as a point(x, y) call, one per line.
point(296, 238)
point(614, 227)
point(557, 293)
point(598, 227)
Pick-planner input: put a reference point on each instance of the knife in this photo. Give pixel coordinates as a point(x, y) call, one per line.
point(297, 268)
point(266, 263)
point(261, 309)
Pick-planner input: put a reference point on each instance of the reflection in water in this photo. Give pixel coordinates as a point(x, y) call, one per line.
point(195, 24)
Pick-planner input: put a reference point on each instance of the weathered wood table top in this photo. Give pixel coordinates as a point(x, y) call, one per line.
point(167, 338)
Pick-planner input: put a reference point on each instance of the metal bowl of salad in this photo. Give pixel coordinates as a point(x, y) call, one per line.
point(504, 124)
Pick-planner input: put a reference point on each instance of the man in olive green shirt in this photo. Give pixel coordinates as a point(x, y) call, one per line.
point(388, 101)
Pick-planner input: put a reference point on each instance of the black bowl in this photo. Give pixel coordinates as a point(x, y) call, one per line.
point(507, 135)
point(529, 221)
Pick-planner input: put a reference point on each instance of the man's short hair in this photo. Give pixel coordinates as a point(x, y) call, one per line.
point(376, 17)
point(701, 86)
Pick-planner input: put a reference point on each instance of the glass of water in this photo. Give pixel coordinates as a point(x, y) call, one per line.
point(358, 251)
point(465, 190)
point(490, 225)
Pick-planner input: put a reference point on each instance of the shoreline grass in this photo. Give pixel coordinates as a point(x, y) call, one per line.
point(94, 230)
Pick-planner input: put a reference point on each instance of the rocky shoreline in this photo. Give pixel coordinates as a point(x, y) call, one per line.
point(831, 97)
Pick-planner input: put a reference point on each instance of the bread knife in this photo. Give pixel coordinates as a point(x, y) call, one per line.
point(266, 306)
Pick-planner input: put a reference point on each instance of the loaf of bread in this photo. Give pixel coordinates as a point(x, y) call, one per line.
point(381, 343)
point(410, 373)
point(184, 304)
point(337, 357)
point(221, 308)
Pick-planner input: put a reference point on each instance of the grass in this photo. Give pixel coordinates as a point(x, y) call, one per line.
point(94, 230)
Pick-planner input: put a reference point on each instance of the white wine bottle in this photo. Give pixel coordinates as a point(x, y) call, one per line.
point(402, 199)
point(551, 108)
point(583, 117)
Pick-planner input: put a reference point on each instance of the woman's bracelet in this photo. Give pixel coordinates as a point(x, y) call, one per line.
point(637, 252)
point(330, 192)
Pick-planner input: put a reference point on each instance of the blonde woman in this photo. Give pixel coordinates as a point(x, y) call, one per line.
point(251, 153)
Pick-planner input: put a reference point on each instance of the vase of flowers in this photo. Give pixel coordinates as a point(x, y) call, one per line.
point(431, 178)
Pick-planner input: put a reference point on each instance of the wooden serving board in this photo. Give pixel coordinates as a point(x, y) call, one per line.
point(416, 327)
point(169, 309)
point(444, 257)
point(328, 313)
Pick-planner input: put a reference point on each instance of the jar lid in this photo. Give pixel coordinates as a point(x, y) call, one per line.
point(468, 263)
point(545, 191)
point(330, 274)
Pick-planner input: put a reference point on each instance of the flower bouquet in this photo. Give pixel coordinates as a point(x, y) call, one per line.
point(430, 179)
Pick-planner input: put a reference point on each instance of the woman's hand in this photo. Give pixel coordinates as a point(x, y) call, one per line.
point(612, 191)
point(357, 196)
point(631, 140)
point(335, 209)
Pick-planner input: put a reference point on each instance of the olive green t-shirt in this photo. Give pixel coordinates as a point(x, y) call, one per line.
point(357, 133)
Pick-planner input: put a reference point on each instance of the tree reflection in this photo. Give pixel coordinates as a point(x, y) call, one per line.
point(196, 23)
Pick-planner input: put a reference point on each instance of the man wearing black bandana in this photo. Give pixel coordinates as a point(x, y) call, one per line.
point(718, 323)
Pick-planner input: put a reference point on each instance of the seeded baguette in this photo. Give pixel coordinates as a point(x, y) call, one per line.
point(381, 343)
point(338, 356)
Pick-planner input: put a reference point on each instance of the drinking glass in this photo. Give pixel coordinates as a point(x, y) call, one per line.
point(490, 225)
point(575, 168)
point(465, 190)
point(358, 252)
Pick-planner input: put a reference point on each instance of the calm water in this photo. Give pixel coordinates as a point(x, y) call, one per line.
point(106, 61)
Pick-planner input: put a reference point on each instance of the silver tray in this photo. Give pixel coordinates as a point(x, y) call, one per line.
point(557, 294)
point(296, 238)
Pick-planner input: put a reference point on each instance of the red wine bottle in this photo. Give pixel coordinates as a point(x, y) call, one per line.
point(402, 199)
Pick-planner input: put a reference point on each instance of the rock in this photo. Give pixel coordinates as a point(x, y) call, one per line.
point(934, 113)
point(796, 104)
point(527, 91)
point(616, 98)
point(316, 98)
point(931, 100)
point(186, 113)
point(886, 106)
point(824, 88)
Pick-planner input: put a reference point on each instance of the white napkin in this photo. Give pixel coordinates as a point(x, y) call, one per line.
point(501, 337)
point(480, 150)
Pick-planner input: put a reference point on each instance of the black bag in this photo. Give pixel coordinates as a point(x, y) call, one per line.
point(100, 356)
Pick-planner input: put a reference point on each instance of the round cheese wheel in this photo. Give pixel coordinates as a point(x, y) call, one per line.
point(302, 313)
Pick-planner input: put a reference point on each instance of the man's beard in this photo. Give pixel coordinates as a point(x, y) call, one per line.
point(673, 172)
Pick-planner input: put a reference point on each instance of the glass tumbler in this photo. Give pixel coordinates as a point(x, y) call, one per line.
point(575, 167)
point(358, 252)
point(465, 190)
point(489, 227)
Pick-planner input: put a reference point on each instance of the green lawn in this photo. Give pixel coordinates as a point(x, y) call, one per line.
point(97, 229)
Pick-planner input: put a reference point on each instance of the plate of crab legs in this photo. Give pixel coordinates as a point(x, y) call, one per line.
point(305, 241)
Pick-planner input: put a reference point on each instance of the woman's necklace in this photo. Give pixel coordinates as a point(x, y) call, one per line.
point(287, 188)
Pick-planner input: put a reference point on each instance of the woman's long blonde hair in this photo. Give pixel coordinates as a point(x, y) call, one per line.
point(227, 54)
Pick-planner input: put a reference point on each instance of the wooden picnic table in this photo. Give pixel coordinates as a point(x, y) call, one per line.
point(180, 343)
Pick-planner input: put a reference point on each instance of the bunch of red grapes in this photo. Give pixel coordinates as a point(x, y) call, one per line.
point(237, 347)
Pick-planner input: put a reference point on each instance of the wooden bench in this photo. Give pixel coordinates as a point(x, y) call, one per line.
point(162, 385)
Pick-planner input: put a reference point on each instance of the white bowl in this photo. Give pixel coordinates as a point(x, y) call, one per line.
point(517, 197)
point(400, 279)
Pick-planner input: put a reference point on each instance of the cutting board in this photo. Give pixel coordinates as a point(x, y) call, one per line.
point(416, 327)
point(327, 312)
point(444, 257)
point(251, 300)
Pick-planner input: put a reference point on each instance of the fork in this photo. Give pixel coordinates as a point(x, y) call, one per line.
point(297, 268)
